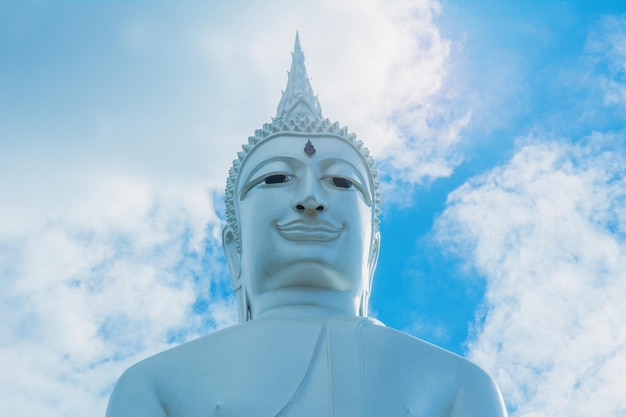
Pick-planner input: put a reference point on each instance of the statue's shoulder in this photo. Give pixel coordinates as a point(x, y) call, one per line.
point(229, 345)
point(209, 351)
point(201, 373)
point(463, 387)
point(140, 389)
point(401, 345)
point(135, 393)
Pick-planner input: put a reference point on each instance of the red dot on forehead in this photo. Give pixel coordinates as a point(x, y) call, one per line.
point(309, 149)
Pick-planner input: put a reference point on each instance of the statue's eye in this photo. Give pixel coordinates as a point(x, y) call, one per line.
point(276, 179)
point(342, 182)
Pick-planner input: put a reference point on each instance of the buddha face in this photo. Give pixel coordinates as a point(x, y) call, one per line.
point(306, 220)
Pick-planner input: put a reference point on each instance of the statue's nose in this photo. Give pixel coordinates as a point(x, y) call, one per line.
point(309, 197)
point(310, 205)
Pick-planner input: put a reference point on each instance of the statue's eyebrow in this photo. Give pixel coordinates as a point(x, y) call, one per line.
point(285, 159)
point(328, 162)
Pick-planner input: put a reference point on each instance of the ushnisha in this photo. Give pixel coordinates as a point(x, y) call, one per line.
point(301, 243)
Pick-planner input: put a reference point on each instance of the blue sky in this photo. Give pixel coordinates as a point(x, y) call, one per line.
point(498, 128)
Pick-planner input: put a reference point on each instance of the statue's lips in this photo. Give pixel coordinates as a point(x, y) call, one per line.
point(317, 232)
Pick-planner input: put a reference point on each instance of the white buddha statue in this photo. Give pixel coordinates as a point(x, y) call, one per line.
point(301, 244)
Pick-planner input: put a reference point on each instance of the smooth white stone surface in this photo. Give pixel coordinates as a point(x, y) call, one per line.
point(344, 366)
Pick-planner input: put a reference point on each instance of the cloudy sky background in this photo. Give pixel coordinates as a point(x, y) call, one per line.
point(499, 131)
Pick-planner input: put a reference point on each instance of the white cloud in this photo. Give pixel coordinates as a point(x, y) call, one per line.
point(110, 281)
point(385, 77)
point(606, 51)
point(547, 231)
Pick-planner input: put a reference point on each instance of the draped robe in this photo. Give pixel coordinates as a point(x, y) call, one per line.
point(345, 366)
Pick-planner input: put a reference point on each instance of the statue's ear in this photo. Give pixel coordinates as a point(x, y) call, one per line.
point(233, 257)
point(374, 251)
point(373, 260)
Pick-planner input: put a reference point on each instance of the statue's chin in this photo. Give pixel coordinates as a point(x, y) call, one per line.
point(311, 274)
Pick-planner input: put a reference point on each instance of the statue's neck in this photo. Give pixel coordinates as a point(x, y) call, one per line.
point(304, 302)
point(301, 312)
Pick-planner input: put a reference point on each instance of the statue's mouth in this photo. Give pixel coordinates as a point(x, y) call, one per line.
point(297, 230)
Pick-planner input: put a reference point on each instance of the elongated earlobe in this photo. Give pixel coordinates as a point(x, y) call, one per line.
point(243, 307)
point(233, 258)
point(373, 258)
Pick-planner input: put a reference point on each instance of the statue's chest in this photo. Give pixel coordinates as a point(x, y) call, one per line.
point(316, 369)
point(311, 370)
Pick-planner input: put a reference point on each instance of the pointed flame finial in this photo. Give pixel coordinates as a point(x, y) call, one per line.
point(298, 98)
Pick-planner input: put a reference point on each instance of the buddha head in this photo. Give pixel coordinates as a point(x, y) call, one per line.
point(302, 205)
